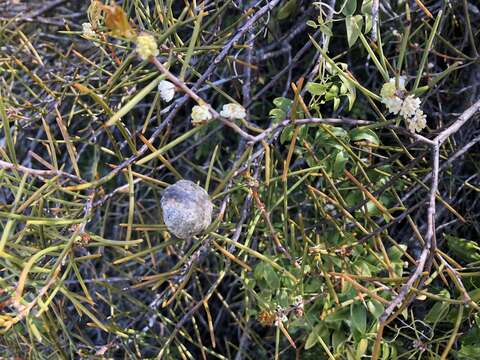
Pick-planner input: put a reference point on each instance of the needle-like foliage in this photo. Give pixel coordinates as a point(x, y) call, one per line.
point(337, 140)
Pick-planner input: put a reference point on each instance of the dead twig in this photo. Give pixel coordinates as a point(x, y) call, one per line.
point(429, 247)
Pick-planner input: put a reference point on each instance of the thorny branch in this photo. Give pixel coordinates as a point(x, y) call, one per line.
point(429, 247)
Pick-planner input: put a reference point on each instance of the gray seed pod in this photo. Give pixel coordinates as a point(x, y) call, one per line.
point(187, 209)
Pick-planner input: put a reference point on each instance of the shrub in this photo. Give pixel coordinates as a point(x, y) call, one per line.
point(337, 140)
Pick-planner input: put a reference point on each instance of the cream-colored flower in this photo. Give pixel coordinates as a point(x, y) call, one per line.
point(146, 46)
point(233, 111)
point(418, 122)
point(393, 104)
point(167, 90)
point(410, 105)
point(88, 31)
point(389, 89)
point(390, 96)
point(201, 114)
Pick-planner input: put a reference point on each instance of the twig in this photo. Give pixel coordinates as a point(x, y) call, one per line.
point(462, 119)
point(308, 121)
point(266, 217)
point(375, 4)
point(421, 261)
point(441, 137)
point(459, 283)
point(37, 172)
point(430, 238)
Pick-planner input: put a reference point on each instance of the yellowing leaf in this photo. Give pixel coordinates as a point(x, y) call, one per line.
point(98, 99)
point(116, 20)
point(82, 88)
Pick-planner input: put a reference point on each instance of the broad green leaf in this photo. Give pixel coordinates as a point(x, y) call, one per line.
point(332, 93)
point(368, 23)
point(277, 114)
point(287, 10)
point(327, 30)
point(367, 12)
point(287, 134)
point(333, 90)
point(361, 268)
point(470, 349)
point(349, 7)
point(317, 89)
point(339, 164)
point(471, 337)
point(250, 282)
point(366, 7)
point(354, 26)
point(375, 307)
point(358, 318)
point(351, 92)
point(311, 340)
point(469, 352)
point(283, 103)
point(329, 96)
point(439, 309)
point(360, 134)
point(474, 295)
point(320, 330)
point(259, 270)
point(339, 315)
point(463, 249)
point(395, 254)
point(336, 103)
point(386, 352)
point(437, 312)
point(271, 277)
point(282, 298)
point(338, 339)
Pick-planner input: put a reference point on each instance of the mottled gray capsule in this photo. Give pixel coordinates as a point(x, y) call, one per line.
point(187, 209)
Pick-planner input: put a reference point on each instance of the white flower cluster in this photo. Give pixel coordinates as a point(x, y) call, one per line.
point(408, 107)
point(166, 90)
point(233, 111)
point(202, 114)
point(87, 31)
point(417, 122)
